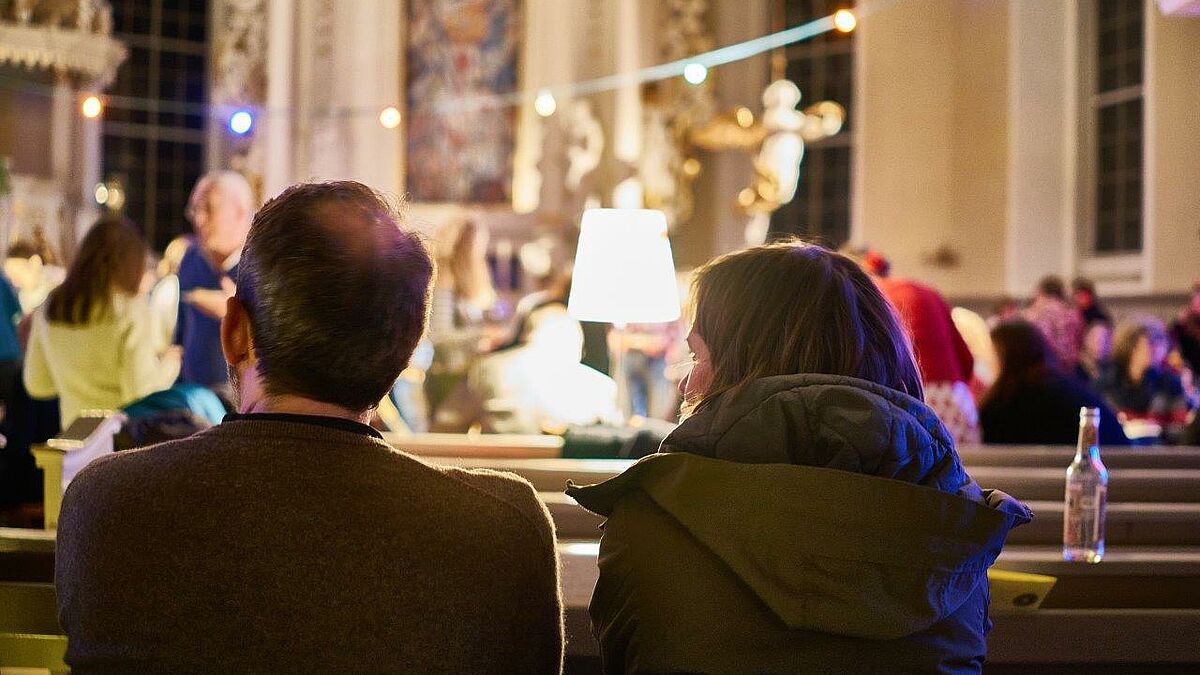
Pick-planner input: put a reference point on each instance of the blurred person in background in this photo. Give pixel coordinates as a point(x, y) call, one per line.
point(1186, 330)
point(1005, 309)
point(1095, 352)
point(220, 209)
point(1058, 321)
point(92, 342)
point(1083, 292)
point(31, 270)
point(810, 513)
point(537, 387)
point(463, 294)
point(1032, 400)
point(647, 349)
point(1149, 397)
point(977, 335)
point(946, 363)
point(164, 293)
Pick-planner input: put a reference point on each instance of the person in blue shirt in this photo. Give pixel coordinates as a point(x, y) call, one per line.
point(220, 209)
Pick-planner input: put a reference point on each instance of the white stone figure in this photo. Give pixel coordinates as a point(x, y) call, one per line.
point(778, 161)
point(783, 148)
point(585, 143)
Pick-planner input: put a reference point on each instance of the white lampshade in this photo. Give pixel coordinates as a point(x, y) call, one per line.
point(624, 272)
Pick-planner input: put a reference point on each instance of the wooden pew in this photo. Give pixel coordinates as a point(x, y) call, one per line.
point(1142, 604)
point(1033, 484)
point(1060, 456)
point(1137, 625)
point(501, 446)
point(89, 437)
point(1135, 524)
point(29, 633)
point(512, 446)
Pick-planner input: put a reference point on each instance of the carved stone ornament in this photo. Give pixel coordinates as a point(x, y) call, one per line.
point(71, 36)
point(240, 51)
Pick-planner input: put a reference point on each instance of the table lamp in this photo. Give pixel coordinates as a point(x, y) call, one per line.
point(624, 274)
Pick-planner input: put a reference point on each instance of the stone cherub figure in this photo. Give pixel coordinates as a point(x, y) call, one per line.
point(777, 164)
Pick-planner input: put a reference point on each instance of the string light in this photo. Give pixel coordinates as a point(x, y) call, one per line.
point(695, 73)
point(240, 122)
point(101, 194)
point(545, 105)
point(92, 107)
point(459, 104)
point(389, 117)
point(844, 20)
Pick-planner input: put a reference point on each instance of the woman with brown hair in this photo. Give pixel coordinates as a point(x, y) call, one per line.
point(810, 513)
point(1033, 402)
point(92, 342)
point(1148, 396)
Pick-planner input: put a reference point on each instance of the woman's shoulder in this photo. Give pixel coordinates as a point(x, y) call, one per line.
point(127, 311)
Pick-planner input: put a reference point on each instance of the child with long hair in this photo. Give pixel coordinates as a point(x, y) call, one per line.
point(810, 513)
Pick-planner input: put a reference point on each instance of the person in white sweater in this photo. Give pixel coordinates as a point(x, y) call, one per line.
point(92, 341)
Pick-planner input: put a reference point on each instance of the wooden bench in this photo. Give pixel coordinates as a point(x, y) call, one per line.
point(1035, 484)
point(503, 446)
point(1142, 626)
point(1127, 523)
point(511, 446)
point(29, 633)
point(1060, 456)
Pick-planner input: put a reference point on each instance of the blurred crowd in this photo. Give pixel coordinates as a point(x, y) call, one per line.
point(119, 329)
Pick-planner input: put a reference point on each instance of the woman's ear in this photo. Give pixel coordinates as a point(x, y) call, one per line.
point(236, 341)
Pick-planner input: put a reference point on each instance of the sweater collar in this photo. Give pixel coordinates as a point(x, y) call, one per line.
point(338, 423)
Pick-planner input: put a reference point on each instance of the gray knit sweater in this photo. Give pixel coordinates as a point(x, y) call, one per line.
point(284, 546)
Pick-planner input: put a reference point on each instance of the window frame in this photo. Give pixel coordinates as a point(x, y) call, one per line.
point(1119, 271)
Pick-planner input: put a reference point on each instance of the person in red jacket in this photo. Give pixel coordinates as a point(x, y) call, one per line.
point(945, 361)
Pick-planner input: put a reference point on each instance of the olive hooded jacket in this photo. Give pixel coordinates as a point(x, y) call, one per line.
point(806, 524)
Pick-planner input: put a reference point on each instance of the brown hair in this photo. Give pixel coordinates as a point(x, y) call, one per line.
point(469, 273)
point(1025, 357)
point(337, 293)
point(793, 307)
point(111, 258)
point(1126, 338)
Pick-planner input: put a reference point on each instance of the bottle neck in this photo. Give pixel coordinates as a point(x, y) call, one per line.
point(1088, 446)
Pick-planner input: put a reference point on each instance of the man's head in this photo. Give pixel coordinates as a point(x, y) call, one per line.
point(220, 209)
point(1051, 286)
point(332, 297)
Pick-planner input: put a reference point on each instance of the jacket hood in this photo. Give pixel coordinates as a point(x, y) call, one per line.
point(841, 505)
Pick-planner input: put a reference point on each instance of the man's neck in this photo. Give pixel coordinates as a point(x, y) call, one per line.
point(298, 405)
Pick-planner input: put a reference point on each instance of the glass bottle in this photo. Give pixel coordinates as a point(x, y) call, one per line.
point(1086, 494)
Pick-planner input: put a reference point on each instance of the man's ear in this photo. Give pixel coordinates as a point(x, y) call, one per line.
point(236, 341)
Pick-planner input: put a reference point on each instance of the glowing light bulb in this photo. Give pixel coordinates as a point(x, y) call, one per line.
point(844, 20)
point(92, 107)
point(389, 117)
point(695, 73)
point(101, 193)
point(545, 105)
point(240, 122)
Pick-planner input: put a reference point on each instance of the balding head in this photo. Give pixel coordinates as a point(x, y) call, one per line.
point(336, 293)
point(220, 208)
